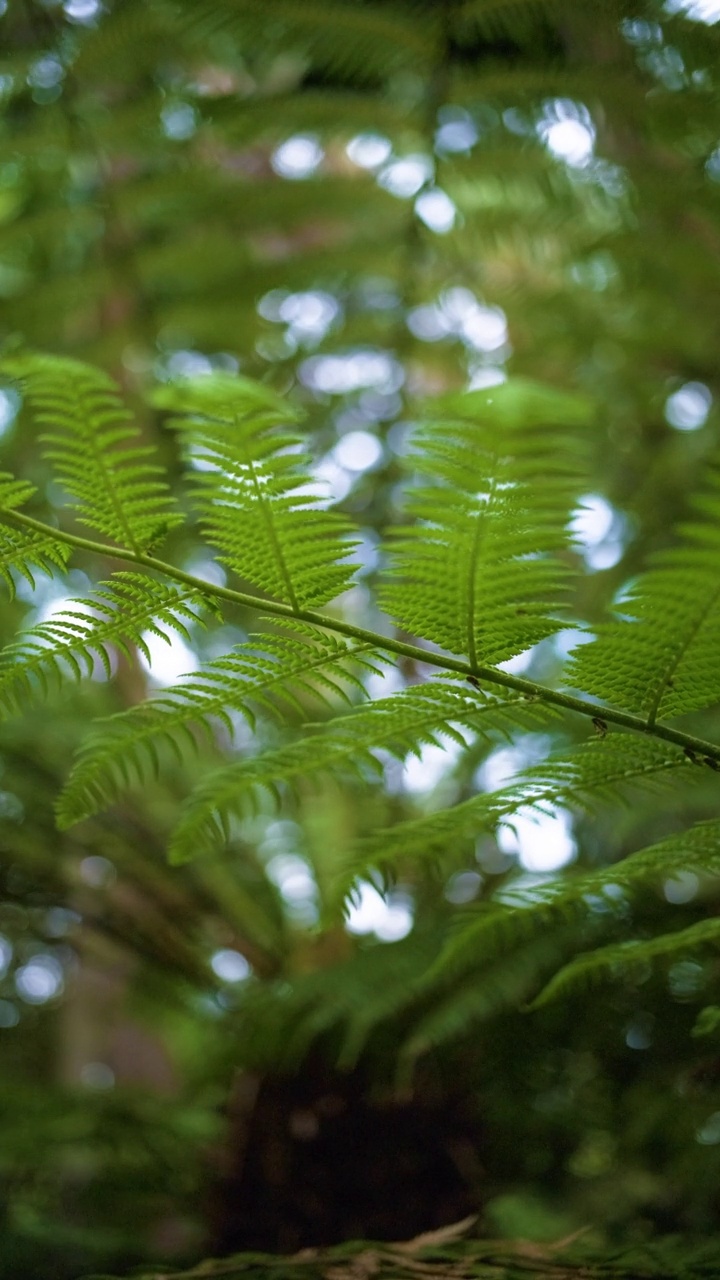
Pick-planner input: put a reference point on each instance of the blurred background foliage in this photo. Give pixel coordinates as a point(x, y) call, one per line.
point(360, 204)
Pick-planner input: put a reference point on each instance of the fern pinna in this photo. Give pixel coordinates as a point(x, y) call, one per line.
point(476, 572)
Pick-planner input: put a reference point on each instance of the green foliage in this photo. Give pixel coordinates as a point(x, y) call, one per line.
point(270, 674)
point(595, 773)
point(19, 550)
point(252, 491)
point(399, 726)
point(114, 619)
point(89, 438)
point(513, 1258)
point(524, 915)
point(23, 552)
point(661, 659)
point(479, 572)
point(153, 224)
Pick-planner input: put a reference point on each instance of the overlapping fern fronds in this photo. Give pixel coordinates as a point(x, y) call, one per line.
point(89, 436)
point(364, 42)
point(253, 491)
point(401, 725)
point(276, 675)
point(661, 658)
point(499, 927)
point(22, 550)
point(116, 617)
point(595, 772)
point(619, 959)
point(479, 572)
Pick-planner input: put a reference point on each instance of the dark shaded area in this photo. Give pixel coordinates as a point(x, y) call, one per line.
point(329, 1157)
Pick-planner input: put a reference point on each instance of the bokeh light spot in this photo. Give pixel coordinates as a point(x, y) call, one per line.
point(39, 980)
point(688, 408)
point(298, 157)
point(229, 965)
point(358, 451)
point(436, 210)
point(543, 842)
point(389, 919)
point(97, 1075)
point(169, 659)
point(369, 150)
point(404, 178)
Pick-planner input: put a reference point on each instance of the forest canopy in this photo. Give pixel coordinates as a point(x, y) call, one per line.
point(359, 680)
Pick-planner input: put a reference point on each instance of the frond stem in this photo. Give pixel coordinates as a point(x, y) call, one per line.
point(445, 662)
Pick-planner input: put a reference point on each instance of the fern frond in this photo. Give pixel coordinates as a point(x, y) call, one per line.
point(664, 660)
point(401, 725)
point(622, 958)
point(252, 490)
point(478, 573)
point(14, 493)
point(349, 999)
point(93, 445)
point(506, 984)
point(517, 19)
point(22, 551)
point(270, 674)
point(70, 642)
point(20, 548)
point(362, 42)
point(500, 927)
point(597, 771)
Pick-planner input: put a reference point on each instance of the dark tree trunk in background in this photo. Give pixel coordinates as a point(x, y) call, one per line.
point(325, 1157)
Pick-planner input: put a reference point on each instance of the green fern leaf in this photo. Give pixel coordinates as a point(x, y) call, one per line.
point(507, 984)
point(87, 629)
point(478, 573)
point(401, 725)
point(362, 42)
point(21, 550)
point(666, 660)
point(518, 19)
point(14, 493)
point(269, 674)
point(596, 771)
point(252, 491)
point(364, 989)
point(622, 958)
point(500, 927)
point(93, 445)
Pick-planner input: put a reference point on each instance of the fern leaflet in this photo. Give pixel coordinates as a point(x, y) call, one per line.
point(596, 771)
point(502, 926)
point(21, 550)
point(361, 41)
point(252, 490)
point(593, 967)
point(666, 660)
point(478, 573)
point(93, 445)
point(270, 674)
point(400, 725)
point(115, 617)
